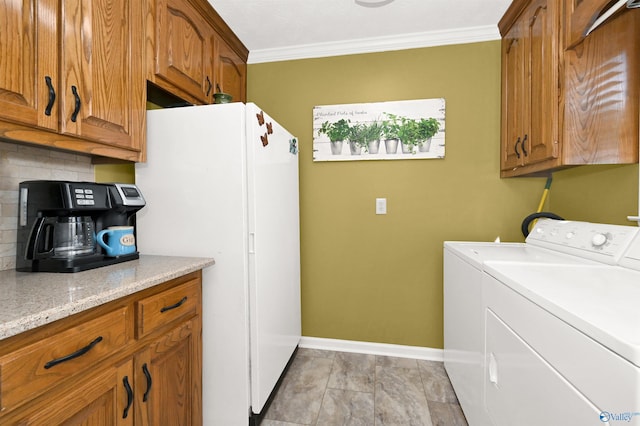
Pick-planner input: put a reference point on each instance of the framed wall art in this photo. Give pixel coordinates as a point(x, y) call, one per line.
point(398, 130)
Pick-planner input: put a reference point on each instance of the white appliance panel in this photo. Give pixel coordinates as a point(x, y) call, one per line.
point(516, 375)
point(600, 301)
point(606, 379)
point(196, 185)
point(463, 333)
point(274, 254)
point(464, 314)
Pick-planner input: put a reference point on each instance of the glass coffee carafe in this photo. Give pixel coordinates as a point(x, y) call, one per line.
point(74, 236)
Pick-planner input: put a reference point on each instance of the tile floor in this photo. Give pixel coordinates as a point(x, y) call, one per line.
point(338, 388)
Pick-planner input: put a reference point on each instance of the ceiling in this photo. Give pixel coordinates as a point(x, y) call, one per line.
point(292, 29)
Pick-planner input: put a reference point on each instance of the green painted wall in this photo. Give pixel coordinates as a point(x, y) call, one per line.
point(123, 173)
point(596, 193)
point(379, 278)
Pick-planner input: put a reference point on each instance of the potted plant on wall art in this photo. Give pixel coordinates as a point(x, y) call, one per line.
point(390, 129)
point(373, 134)
point(427, 128)
point(408, 135)
point(337, 133)
point(365, 135)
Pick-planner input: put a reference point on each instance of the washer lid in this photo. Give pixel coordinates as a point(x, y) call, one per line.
point(601, 301)
point(478, 253)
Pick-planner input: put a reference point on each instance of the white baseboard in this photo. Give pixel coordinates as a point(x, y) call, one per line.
point(401, 351)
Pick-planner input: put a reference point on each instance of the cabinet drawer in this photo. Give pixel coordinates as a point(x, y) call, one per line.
point(166, 307)
point(30, 371)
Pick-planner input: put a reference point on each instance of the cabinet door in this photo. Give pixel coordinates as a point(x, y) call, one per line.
point(541, 135)
point(513, 97)
point(230, 70)
point(29, 61)
point(105, 400)
point(183, 49)
point(100, 68)
point(580, 15)
point(601, 94)
point(168, 378)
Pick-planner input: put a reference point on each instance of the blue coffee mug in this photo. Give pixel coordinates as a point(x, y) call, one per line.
point(121, 240)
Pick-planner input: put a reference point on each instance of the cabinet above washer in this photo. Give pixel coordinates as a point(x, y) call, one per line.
point(568, 107)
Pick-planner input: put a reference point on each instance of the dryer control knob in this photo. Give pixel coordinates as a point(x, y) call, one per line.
point(598, 240)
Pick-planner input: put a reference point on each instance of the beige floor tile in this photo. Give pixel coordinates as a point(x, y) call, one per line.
point(400, 398)
point(299, 397)
point(353, 371)
point(436, 382)
point(346, 408)
point(390, 361)
point(443, 414)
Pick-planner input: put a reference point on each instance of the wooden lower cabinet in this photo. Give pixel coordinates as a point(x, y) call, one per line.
point(153, 379)
point(100, 400)
point(167, 385)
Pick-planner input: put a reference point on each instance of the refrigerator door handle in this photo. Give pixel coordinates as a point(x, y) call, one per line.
point(252, 243)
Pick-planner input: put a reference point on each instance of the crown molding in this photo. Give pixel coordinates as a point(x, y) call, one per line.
point(376, 44)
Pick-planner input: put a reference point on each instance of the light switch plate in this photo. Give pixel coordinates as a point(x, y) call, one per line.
point(381, 206)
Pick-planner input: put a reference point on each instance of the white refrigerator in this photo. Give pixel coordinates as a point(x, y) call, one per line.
point(221, 181)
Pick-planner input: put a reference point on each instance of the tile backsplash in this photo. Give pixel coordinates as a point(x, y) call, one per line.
point(23, 162)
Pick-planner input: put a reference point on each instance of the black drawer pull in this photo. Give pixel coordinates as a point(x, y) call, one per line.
point(127, 387)
point(177, 305)
point(76, 354)
point(76, 110)
point(147, 374)
point(52, 95)
point(516, 147)
point(524, 145)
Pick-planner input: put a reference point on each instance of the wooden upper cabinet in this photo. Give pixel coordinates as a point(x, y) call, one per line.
point(182, 51)
point(230, 70)
point(541, 141)
point(72, 75)
point(602, 88)
point(29, 61)
point(530, 87)
point(190, 51)
point(566, 107)
point(101, 70)
point(513, 97)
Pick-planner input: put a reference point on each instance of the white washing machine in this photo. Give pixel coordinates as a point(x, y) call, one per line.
point(465, 317)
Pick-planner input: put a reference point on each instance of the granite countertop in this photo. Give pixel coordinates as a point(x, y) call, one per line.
point(31, 299)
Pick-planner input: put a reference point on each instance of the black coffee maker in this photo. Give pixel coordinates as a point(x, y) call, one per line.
point(58, 222)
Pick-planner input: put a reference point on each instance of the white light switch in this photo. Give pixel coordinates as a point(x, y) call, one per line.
point(381, 206)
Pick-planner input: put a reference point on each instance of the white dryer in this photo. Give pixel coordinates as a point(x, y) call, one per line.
point(464, 311)
point(562, 342)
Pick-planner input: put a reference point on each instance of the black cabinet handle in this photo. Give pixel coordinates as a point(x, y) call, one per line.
point(524, 146)
point(52, 95)
point(76, 354)
point(127, 387)
point(145, 370)
point(177, 305)
point(209, 86)
point(76, 110)
point(516, 147)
